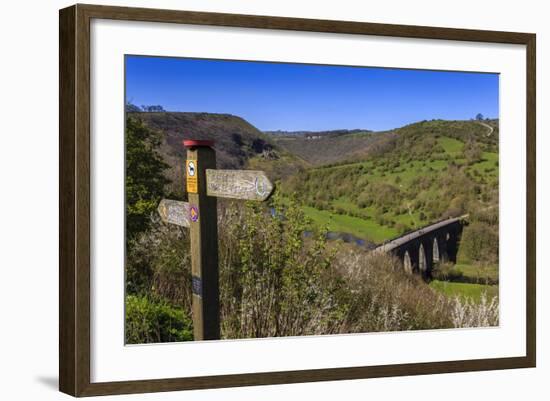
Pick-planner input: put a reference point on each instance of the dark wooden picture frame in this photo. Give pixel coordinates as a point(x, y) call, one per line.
point(74, 203)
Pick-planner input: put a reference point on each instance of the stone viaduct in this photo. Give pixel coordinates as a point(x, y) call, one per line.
point(420, 249)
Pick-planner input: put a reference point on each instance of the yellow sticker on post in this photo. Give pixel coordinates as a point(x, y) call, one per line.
point(191, 173)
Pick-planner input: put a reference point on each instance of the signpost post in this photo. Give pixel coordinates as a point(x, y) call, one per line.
point(204, 185)
point(204, 241)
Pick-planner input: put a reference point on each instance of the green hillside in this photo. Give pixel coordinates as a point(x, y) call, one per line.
point(424, 172)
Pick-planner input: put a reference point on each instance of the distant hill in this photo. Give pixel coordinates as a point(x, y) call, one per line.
point(237, 142)
point(345, 146)
point(313, 134)
point(328, 147)
point(484, 133)
point(235, 139)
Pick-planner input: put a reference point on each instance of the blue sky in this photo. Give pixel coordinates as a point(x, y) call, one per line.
point(274, 96)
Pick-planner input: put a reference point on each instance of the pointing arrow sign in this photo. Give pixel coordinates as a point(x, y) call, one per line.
point(204, 184)
point(174, 212)
point(238, 184)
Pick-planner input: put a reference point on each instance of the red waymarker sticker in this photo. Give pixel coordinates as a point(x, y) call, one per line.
point(194, 213)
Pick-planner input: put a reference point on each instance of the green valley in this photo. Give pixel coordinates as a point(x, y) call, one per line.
point(426, 172)
point(339, 194)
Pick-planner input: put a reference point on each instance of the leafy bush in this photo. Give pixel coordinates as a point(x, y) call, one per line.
point(155, 321)
point(274, 281)
point(145, 180)
point(479, 243)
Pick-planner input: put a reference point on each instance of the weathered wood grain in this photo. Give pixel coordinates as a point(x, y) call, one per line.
point(204, 250)
point(238, 184)
point(174, 212)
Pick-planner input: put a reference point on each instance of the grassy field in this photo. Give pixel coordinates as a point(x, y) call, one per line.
point(478, 272)
point(464, 271)
point(451, 146)
point(406, 173)
point(465, 290)
point(488, 167)
point(362, 228)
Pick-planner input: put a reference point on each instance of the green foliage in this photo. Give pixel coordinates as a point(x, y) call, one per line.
point(479, 243)
point(155, 321)
point(144, 176)
point(447, 272)
point(276, 282)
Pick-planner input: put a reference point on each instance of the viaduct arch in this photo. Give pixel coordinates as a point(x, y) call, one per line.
point(420, 249)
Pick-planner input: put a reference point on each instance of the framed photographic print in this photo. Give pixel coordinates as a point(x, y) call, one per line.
point(250, 200)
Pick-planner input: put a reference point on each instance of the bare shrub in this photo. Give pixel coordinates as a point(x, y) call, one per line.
point(467, 313)
point(384, 298)
point(158, 264)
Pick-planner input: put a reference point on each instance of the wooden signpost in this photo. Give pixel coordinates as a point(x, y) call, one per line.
point(174, 212)
point(238, 184)
point(204, 185)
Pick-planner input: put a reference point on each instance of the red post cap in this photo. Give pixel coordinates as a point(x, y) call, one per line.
point(194, 143)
